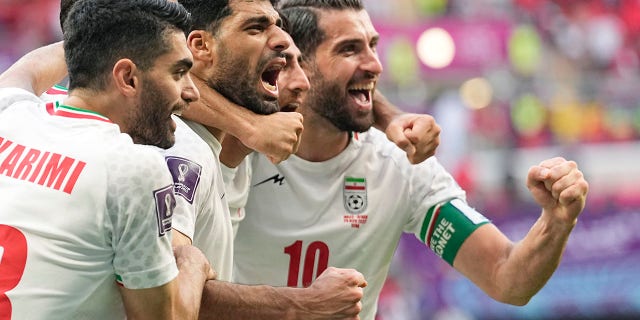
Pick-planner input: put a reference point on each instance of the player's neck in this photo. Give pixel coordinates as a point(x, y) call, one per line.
point(321, 140)
point(88, 100)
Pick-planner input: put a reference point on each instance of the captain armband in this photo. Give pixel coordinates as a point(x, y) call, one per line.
point(447, 225)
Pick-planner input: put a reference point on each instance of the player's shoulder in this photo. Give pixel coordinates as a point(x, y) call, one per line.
point(380, 150)
point(10, 96)
point(122, 155)
point(138, 154)
point(376, 141)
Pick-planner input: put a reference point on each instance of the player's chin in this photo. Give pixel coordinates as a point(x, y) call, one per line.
point(363, 124)
point(167, 142)
point(168, 138)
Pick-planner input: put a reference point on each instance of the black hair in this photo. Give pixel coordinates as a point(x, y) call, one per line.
point(302, 16)
point(65, 7)
point(209, 14)
point(100, 32)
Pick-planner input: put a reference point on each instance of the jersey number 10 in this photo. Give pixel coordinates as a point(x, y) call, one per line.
point(316, 259)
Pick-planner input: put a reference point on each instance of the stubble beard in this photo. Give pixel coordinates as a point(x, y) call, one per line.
point(150, 124)
point(234, 81)
point(331, 102)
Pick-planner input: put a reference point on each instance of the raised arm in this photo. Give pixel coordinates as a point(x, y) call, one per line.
point(37, 71)
point(514, 272)
point(277, 135)
point(417, 134)
point(233, 151)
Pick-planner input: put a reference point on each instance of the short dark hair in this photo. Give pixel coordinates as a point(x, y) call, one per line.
point(302, 16)
point(65, 6)
point(208, 14)
point(100, 32)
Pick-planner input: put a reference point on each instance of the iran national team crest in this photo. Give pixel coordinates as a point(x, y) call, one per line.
point(355, 195)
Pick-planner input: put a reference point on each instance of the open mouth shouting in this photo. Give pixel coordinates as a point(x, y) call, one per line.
point(269, 77)
point(362, 94)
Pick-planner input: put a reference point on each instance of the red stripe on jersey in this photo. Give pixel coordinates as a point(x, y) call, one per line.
point(433, 226)
point(78, 114)
point(53, 90)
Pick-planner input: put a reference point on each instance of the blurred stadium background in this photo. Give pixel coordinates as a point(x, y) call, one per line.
point(511, 82)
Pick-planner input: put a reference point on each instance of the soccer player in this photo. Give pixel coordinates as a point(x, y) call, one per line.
point(85, 214)
point(201, 216)
point(238, 50)
point(348, 194)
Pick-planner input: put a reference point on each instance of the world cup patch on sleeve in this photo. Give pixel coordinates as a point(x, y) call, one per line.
point(165, 203)
point(186, 176)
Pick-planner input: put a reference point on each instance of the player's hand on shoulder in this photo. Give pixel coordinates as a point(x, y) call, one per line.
point(417, 134)
point(277, 135)
point(559, 187)
point(336, 294)
point(191, 259)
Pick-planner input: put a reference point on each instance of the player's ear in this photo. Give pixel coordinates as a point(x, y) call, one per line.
point(126, 77)
point(200, 43)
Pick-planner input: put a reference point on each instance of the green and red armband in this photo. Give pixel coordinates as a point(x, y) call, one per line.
point(447, 225)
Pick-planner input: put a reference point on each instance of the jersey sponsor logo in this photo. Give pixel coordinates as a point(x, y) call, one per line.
point(276, 180)
point(186, 176)
point(48, 169)
point(165, 203)
point(355, 195)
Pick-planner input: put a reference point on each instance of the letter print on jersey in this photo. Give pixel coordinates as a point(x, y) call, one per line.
point(448, 225)
point(165, 203)
point(186, 176)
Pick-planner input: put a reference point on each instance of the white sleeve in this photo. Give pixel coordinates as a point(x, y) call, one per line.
point(186, 176)
point(11, 96)
point(141, 212)
point(237, 183)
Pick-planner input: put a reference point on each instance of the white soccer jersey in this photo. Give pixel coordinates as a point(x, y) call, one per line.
point(347, 212)
point(81, 207)
point(237, 182)
point(202, 212)
point(55, 93)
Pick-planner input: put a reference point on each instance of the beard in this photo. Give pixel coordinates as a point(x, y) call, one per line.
point(237, 83)
point(331, 101)
point(151, 119)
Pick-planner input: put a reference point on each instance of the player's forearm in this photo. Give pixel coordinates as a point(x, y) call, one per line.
point(38, 70)
point(233, 152)
point(533, 260)
point(215, 111)
point(223, 300)
point(191, 281)
point(187, 306)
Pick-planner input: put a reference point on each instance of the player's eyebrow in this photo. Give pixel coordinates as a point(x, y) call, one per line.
point(183, 63)
point(263, 20)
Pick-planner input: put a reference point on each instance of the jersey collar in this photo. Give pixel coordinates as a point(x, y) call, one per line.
point(56, 109)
